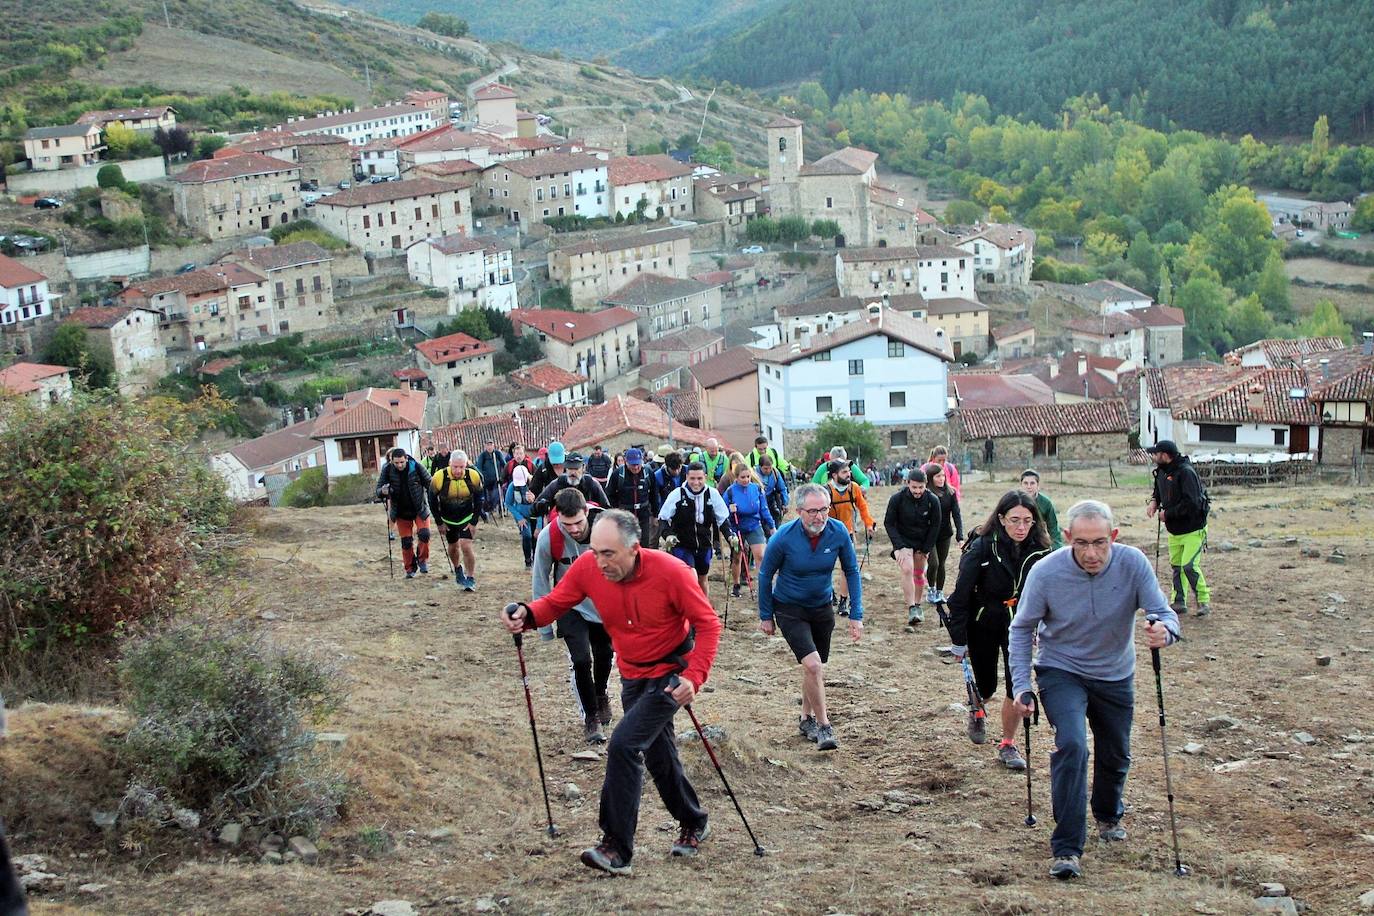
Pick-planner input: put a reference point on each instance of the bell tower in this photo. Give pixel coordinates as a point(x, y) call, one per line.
point(785, 160)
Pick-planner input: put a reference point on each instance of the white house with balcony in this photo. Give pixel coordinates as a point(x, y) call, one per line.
point(932, 271)
point(888, 369)
point(476, 271)
point(24, 295)
point(1003, 254)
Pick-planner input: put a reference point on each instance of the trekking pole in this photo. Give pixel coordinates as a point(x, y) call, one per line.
point(390, 563)
point(1159, 528)
point(710, 751)
point(868, 543)
point(553, 829)
point(1029, 699)
point(1180, 869)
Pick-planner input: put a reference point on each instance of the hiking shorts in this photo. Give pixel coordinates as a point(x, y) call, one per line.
point(700, 560)
point(753, 537)
point(806, 629)
point(455, 533)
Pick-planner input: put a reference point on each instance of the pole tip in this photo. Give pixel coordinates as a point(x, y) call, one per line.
point(1182, 871)
point(555, 830)
point(1030, 820)
point(760, 851)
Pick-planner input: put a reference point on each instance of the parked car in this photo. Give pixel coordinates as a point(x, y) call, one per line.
point(752, 249)
point(1299, 231)
point(345, 185)
point(377, 179)
point(187, 267)
point(47, 203)
point(309, 197)
point(310, 185)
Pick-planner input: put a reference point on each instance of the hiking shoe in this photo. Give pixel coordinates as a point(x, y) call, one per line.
point(734, 592)
point(1063, 867)
point(808, 727)
point(424, 567)
point(914, 615)
point(931, 593)
point(937, 596)
point(977, 727)
point(458, 576)
point(690, 839)
point(602, 856)
point(843, 608)
point(603, 708)
point(391, 535)
point(1179, 607)
point(410, 574)
point(825, 738)
point(1011, 758)
point(469, 584)
point(1110, 831)
point(1204, 609)
point(592, 729)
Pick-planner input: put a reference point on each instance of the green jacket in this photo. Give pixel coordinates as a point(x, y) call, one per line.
point(714, 469)
point(1042, 502)
point(822, 474)
point(778, 461)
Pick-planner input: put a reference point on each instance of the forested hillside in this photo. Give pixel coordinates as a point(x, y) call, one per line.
point(1237, 66)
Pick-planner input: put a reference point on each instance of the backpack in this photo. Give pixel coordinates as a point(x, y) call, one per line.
point(468, 487)
point(557, 541)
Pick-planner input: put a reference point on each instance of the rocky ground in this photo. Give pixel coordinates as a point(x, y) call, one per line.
point(1270, 732)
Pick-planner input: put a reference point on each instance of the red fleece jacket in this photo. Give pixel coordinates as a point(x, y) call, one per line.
point(647, 615)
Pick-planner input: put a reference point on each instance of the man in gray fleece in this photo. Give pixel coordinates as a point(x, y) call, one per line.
point(1082, 604)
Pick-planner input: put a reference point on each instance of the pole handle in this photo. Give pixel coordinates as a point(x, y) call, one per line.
point(1154, 653)
point(1028, 699)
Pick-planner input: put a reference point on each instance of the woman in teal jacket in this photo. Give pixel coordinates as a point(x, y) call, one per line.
point(749, 518)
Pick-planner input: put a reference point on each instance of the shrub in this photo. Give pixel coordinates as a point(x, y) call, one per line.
point(825, 228)
point(306, 491)
point(350, 490)
point(224, 727)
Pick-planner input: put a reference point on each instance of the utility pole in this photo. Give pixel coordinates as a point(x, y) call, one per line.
point(165, 16)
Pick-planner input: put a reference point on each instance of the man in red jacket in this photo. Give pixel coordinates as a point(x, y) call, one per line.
point(664, 633)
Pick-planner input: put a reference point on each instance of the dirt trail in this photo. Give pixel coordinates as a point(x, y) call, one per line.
point(438, 738)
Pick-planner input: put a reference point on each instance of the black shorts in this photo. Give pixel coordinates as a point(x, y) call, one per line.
point(806, 629)
point(984, 645)
point(455, 533)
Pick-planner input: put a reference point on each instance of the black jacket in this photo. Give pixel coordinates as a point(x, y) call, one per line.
point(992, 572)
point(1178, 492)
point(543, 503)
point(951, 519)
point(409, 490)
point(599, 466)
point(633, 493)
point(912, 523)
point(544, 475)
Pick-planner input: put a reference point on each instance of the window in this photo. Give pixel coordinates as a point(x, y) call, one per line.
point(897, 438)
point(538, 193)
point(896, 348)
point(856, 367)
point(367, 221)
point(768, 395)
point(896, 399)
point(281, 289)
point(1215, 432)
point(1044, 446)
point(822, 357)
point(1280, 437)
point(348, 449)
point(457, 380)
point(393, 218)
point(856, 408)
point(825, 404)
point(829, 203)
point(417, 214)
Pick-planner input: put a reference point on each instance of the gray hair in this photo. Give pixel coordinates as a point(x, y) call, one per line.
point(809, 489)
point(1089, 508)
point(458, 453)
point(838, 453)
point(626, 524)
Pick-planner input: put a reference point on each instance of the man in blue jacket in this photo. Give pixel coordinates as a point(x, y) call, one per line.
point(802, 555)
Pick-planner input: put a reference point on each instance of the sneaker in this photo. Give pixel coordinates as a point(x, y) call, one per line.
point(424, 567)
point(734, 592)
point(977, 727)
point(469, 584)
point(914, 615)
point(843, 608)
point(605, 858)
point(1179, 607)
point(825, 738)
point(410, 574)
point(1011, 758)
point(1110, 831)
point(391, 535)
point(458, 576)
point(808, 727)
point(592, 729)
point(603, 708)
point(529, 564)
point(690, 840)
point(1204, 609)
point(931, 592)
point(937, 596)
point(1063, 868)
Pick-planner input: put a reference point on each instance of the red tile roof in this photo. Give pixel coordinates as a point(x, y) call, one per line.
point(621, 415)
point(410, 374)
point(911, 253)
point(458, 244)
point(276, 447)
point(624, 170)
point(279, 257)
point(218, 366)
point(552, 163)
point(443, 137)
point(1117, 323)
point(13, 274)
point(1012, 329)
point(687, 340)
point(1258, 396)
point(453, 347)
point(533, 427)
point(1086, 418)
point(715, 278)
point(649, 289)
point(1279, 353)
point(449, 167)
point(418, 96)
point(686, 407)
point(196, 282)
point(848, 161)
point(547, 377)
point(898, 201)
point(572, 327)
point(236, 166)
point(1007, 236)
point(495, 91)
point(264, 140)
point(977, 390)
point(22, 378)
point(725, 366)
point(105, 317)
point(353, 117)
point(783, 121)
point(123, 114)
point(391, 190)
point(622, 242)
point(370, 410)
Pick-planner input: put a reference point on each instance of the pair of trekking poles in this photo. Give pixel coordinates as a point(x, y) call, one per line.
point(553, 829)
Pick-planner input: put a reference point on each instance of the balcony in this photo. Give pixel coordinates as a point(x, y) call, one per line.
point(276, 198)
point(218, 208)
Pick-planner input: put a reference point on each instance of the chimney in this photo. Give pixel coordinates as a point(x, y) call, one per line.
point(405, 384)
point(336, 404)
point(1368, 349)
point(1085, 389)
point(1326, 367)
point(1256, 400)
point(395, 405)
point(804, 336)
point(1083, 365)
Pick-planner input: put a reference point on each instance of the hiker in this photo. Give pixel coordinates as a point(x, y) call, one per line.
point(650, 609)
point(774, 485)
point(1030, 482)
point(713, 459)
point(489, 464)
point(546, 473)
point(518, 458)
point(1182, 503)
point(670, 476)
point(457, 497)
point(849, 507)
point(599, 466)
point(750, 520)
point(838, 454)
point(940, 455)
point(427, 459)
point(574, 475)
point(912, 522)
point(404, 484)
point(632, 489)
point(692, 514)
point(1079, 605)
point(992, 575)
point(795, 594)
point(763, 450)
point(951, 528)
point(988, 452)
point(518, 503)
point(563, 540)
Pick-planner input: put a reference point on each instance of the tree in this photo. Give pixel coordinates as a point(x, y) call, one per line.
point(1321, 144)
point(473, 323)
point(962, 212)
point(1235, 239)
point(1104, 248)
point(1248, 321)
point(69, 347)
point(174, 142)
point(443, 24)
point(1204, 302)
point(1325, 321)
point(1145, 258)
point(120, 140)
point(825, 228)
point(859, 438)
point(1166, 286)
point(1363, 218)
point(720, 155)
point(208, 144)
point(812, 95)
point(110, 176)
point(1272, 288)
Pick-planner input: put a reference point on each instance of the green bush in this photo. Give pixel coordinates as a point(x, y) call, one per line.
point(825, 228)
point(224, 728)
point(350, 490)
point(307, 491)
point(799, 258)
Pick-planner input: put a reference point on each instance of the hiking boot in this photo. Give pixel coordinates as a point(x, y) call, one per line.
point(690, 839)
point(914, 615)
point(937, 596)
point(592, 730)
point(1011, 758)
point(603, 708)
point(424, 567)
point(1110, 831)
point(734, 592)
point(808, 727)
point(843, 608)
point(977, 727)
point(1204, 609)
point(825, 738)
point(410, 574)
point(1063, 867)
point(602, 856)
point(1179, 607)
point(391, 535)
point(931, 593)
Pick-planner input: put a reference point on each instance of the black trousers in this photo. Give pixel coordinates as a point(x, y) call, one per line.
point(644, 740)
point(11, 894)
point(590, 650)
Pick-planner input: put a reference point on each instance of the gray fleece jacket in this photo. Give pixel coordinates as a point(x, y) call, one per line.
point(546, 573)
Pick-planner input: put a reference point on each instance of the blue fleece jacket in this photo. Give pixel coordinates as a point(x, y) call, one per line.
point(805, 573)
point(753, 508)
point(1086, 623)
point(515, 502)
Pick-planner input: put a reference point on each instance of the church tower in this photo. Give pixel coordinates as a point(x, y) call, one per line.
point(784, 165)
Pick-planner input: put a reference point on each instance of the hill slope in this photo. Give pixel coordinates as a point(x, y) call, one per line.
point(1216, 65)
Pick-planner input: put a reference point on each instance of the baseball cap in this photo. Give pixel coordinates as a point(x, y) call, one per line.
point(573, 461)
point(556, 452)
point(1164, 445)
point(520, 476)
point(634, 456)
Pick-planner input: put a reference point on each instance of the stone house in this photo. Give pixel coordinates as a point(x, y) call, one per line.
point(300, 278)
point(24, 295)
point(659, 182)
point(1014, 339)
point(496, 105)
point(1003, 255)
point(624, 421)
point(454, 364)
point(207, 309)
point(686, 347)
point(476, 272)
point(324, 159)
point(1033, 433)
point(727, 393)
point(243, 194)
point(63, 146)
point(1277, 353)
point(445, 143)
point(665, 304)
point(143, 120)
point(554, 184)
point(287, 451)
point(599, 345)
point(1151, 336)
point(1080, 377)
point(436, 102)
point(1341, 386)
point(385, 219)
point(538, 385)
point(42, 384)
point(532, 427)
point(129, 336)
point(964, 322)
point(594, 268)
point(359, 427)
point(1210, 409)
point(731, 199)
point(1307, 214)
point(930, 270)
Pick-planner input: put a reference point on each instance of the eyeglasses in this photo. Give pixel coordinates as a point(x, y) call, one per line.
point(1098, 545)
point(821, 511)
point(1017, 522)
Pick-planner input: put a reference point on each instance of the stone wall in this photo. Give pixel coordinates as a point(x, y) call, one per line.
point(64, 181)
point(1018, 451)
point(920, 439)
point(1340, 445)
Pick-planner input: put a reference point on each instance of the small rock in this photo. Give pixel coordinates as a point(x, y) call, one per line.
point(411, 604)
point(440, 835)
point(1192, 747)
point(1307, 740)
point(484, 904)
point(1227, 547)
point(1290, 541)
point(91, 888)
point(1336, 598)
point(944, 651)
point(291, 857)
point(392, 908)
point(1310, 552)
point(1284, 905)
point(1232, 766)
point(273, 842)
point(105, 820)
point(1254, 542)
point(186, 819)
point(272, 857)
point(29, 863)
point(302, 847)
point(1220, 724)
point(231, 834)
point(1339, 560)
point(335, 740)
point(1366, 902)
point(1272, 889)
point(268, 615)
point(40, 882)
point(1323, 661)
point(571, 792)
point(586, 755)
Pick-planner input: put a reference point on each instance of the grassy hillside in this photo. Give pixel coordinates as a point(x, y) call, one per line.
point(1216, 65)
